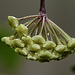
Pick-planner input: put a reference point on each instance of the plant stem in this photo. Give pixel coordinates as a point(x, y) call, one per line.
point(27, 17)
point(64, 34)
point(42, 8)
point(55, 35)
point(34, 28)
point(43, 22)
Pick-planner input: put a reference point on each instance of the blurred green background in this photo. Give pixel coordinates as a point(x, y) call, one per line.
point(62, 12)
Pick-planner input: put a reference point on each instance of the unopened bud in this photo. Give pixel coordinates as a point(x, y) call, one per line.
point(38, 39)
point(34, 47)
point(55, 55)
point(72, 43)
point(44, 54)
point(32, 57)
point(27, 40)
point(61, 48)
point(13, 22)
point(18, 43)
point(7, 41)
point(49, 45)
point(21, 51)
point(22, 30)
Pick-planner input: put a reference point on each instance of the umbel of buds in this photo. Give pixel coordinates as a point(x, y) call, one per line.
point(39, 39)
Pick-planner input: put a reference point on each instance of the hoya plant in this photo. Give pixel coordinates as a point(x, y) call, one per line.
point(39, 38)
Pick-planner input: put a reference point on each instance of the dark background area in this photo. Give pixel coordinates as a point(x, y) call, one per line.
point(62, 12)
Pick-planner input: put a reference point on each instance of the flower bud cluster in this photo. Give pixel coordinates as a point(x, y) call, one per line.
point(36, 47)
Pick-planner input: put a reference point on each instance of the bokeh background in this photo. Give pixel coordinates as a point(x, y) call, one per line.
point(62, 12)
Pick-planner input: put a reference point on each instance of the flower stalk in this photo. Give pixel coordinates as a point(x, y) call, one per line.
point(42, 7)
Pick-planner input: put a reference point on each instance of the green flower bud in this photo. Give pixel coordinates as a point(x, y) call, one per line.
point(61, 48)
point(33, 48)
point(12, 37)
point(18, 43)
point(7, 41)
point(21, 51)
point(49, 45)
point(55, 55)
point(27, 40)
point(13, 22)
point(38, 39)
point(72, 43)
point(44, 54)
point(32, 57)
point(4, 39)
point(22, 30)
